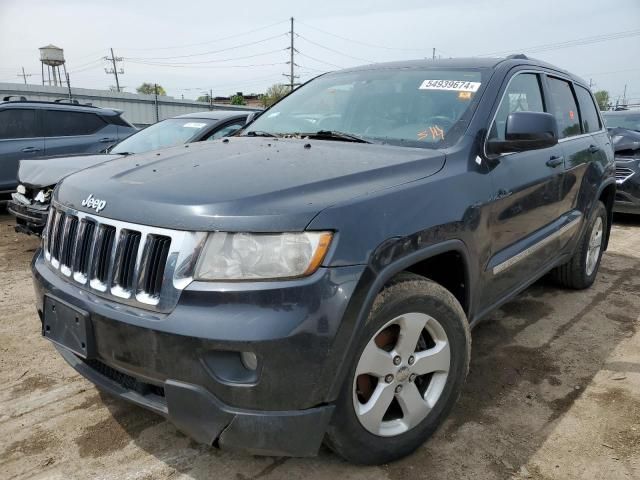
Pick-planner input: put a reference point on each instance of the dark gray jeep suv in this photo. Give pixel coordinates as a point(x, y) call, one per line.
point(316, 277)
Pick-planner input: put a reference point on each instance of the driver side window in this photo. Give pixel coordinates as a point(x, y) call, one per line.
point(522, 95)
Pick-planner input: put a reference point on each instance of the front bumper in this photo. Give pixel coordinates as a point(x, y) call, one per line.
point(30, 220)
point(628, 186)
point(186, 365)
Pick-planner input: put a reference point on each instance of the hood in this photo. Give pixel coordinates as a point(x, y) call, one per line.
point(241, 183)
point(45, 172)
point(625, 140)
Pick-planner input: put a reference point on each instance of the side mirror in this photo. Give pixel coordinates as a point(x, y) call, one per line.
point(526, 131)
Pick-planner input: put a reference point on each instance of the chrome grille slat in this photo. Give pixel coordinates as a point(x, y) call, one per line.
point(623, 174)
point(54, 244)
point(134, 264)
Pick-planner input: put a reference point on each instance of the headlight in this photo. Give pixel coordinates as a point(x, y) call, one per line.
point(261, 256)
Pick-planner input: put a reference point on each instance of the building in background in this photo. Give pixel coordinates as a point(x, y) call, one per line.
point(139, 109)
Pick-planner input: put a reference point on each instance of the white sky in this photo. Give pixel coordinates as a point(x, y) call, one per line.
point(150, 30)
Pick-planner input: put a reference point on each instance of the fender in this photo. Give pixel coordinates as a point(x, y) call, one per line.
point(375, 276)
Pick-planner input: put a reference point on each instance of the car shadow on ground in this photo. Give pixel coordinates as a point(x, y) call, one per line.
point(531, 360)
point(626, 219)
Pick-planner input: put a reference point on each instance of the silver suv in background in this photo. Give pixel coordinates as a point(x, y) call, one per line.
point(37, 178)
point(33, 129)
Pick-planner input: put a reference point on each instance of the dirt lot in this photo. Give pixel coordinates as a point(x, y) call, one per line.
point(553, 393)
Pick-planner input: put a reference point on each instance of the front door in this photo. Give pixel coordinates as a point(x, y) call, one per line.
point(526, 206)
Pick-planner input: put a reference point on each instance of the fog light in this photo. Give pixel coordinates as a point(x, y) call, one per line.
point(249, 360)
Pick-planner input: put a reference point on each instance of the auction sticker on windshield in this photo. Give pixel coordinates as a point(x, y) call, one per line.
point(453, 85)
point(194, 125)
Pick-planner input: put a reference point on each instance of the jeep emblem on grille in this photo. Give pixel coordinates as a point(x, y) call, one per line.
point(94, 203)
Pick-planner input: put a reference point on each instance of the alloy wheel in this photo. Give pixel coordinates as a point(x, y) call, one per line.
point(595, 245)
point(401, 374)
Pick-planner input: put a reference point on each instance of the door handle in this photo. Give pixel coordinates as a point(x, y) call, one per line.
point(30, 149)
point(594, 149)
point(106, 140)
point(555, 161)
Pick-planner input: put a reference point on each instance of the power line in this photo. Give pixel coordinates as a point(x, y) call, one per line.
point(205, 66)
point(318, 60)
point(566, 44)
point(220, 60)
point(219, 39)
point(89, 66)
point(334, 51)
point(360, 42)
point(209, 52)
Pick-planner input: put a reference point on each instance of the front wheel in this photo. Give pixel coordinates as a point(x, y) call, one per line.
point(411, 363)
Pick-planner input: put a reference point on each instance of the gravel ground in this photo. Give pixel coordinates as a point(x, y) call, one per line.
point(553, 393)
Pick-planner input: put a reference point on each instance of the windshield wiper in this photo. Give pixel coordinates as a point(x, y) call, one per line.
point(335, 135)
point(258, 133)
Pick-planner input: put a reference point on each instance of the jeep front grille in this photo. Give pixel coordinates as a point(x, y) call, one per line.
point(134, 264)
point(623, 174)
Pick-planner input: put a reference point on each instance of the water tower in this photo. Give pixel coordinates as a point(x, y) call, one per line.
point(53, 58)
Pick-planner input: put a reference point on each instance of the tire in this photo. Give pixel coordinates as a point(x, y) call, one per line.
point(445, 341)
point(577, 273)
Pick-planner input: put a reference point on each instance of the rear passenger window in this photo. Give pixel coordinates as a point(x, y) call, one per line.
point(522, 95)
point(564, 108)
point(59, 123)
point(18, 123)
point(588, 112)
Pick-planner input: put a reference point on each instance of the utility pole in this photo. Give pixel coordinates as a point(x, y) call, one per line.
point(113, 59)
point(433, 55)
point(68, 86)
point(24, 75)
point(155, 91)
point(291, 75)
point(210, 99)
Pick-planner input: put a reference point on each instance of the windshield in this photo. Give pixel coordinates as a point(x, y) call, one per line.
point(167, 133)
point(630, 121)
point(411, 107)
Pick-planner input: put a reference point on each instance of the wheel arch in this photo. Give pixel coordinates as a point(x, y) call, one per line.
point(607, 195)
point(375, 279)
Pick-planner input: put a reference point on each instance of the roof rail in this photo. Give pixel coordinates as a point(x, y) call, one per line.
point(19, 97)
point(59, 101)
point(518, 56)
point(66, 100)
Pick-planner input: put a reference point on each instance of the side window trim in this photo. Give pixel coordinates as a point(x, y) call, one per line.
point(496, 107)
point(559, 76)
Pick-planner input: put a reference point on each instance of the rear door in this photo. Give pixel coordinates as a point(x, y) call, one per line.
point(20, 138)
point(68, 132)
point(526, 202)
point(576, 146)
point(585, 152)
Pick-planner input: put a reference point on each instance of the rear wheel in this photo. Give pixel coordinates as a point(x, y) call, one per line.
point(581, 270)
point(411, 364)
